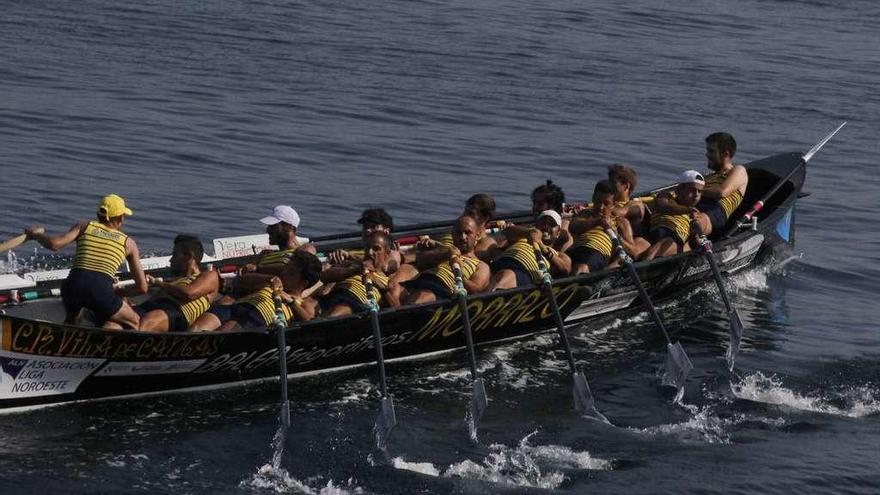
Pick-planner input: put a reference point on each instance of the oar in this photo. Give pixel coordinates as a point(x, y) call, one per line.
point(736, 324)
point(479, 402)
point(678, 365)
point(280, 329)
point(583, 398)
point(747, 217)
point(13, 242)
point(385, 421)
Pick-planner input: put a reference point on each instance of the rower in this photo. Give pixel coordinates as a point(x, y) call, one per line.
point(101, 247)
point(624, 179)
point(178, 303)
point(437, 279)
point(671, 230)
point(480, 207)
point(349, 295)
point(517, 266)
point(371, 220)
point(257, 310)
point(725, 187)
point(592, 248)
point(281, 227)
point(547, 196)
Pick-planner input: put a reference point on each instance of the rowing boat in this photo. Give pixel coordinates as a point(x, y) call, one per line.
point(44, 362)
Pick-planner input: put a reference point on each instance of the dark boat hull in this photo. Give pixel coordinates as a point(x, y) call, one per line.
point(45, 363)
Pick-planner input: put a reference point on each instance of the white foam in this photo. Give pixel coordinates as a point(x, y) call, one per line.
point(703, 426)
point(861, 401)
point(279, 480)
point(524, 465)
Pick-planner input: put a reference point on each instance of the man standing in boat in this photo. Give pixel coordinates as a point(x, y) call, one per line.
point(101, 247)
point(178, 303)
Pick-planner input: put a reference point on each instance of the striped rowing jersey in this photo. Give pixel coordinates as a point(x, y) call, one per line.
point(190, 309)
point(680, 224)
point(100, 249)
point(523, 253)
point(354, 285)
point(444, 272)
point(445, 239)
point(274, 261)
point(264, 301)
point(729, 203)
point(596, 238)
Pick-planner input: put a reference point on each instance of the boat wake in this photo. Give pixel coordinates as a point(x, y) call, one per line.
point(526, 465)
point(703, 426)
point(853, 402)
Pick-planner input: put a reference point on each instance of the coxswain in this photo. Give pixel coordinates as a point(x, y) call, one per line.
point(349, 294)
point(518, 266)
point(101, 247)
point(635, 210)
point(178, 303)
point(671, 230)
point(592, 249)
point(436, 278)
point(257, 310)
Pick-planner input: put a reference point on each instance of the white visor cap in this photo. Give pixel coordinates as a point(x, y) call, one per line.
point(282, 213)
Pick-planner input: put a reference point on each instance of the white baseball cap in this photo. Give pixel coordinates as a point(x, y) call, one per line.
point(691, 177)
point(552, 214)
point(282, 213)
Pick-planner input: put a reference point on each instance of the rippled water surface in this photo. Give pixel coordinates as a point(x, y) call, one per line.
point(205, 114)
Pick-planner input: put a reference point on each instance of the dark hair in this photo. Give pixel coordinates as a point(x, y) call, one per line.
point(377, 216)
point(191, 245)
point(309, 265)
point(481, 205)
point(723, 141)
point(603, 187)
point(552, 193)
point(624, 173)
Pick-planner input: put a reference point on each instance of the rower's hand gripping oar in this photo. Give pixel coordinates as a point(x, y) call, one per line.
point(18, 240)
point(736, 324)
point(280, 326)
point(678, 365)
point(385, 420)
point(583, 398)
point(479, 402)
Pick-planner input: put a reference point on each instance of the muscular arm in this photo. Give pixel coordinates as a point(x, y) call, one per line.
point(735, 181)
point(133, 256)
point(338, 273)
point(250, 282)
point(583, 223)
point(666, 204)
point(560, 264)
point(205, 284)
point(431, 258)
point(479, 280)
point(59, 241)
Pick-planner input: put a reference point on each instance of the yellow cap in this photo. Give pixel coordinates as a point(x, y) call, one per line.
point(113, 206)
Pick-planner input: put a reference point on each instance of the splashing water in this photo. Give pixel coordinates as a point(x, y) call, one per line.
point(858, 401)
point(525, 465)
point(703, 426)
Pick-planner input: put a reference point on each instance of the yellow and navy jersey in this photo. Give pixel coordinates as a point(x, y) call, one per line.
point(523, 253)
point(729, 203)
point(264, 301)
point(596, 238)
point(444, 272)
point(354, 285)
point(100, 249)
point(680, 224)
point(191, 310)
point(274, 261)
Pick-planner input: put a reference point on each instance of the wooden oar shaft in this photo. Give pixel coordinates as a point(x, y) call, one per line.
point(465, 320)
point(13, 242)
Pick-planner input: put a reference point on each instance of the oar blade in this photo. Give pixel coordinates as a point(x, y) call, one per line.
point(478, 405)
point(736, 332)
point(678, 366)
point(385, 422)
point(584, 403)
